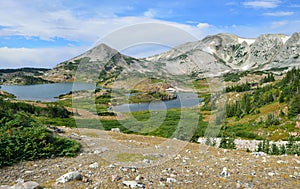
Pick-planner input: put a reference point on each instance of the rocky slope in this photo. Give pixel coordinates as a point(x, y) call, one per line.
point(116, 160)
point(99, 62)
point(211, 56)
point(228, 52)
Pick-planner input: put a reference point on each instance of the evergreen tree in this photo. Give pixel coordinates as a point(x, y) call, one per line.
point(282, 149)
point(275, 149)
point(294, 106)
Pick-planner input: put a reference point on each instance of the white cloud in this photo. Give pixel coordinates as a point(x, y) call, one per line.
point(203, 25)
point(53, 20)
point(33, 57)
point(150, 13)
point(126, 31)
point(281, 13)
point(58, 21)
point(279, 24)
point(262, 4)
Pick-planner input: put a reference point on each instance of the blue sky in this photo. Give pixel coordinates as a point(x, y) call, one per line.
point(40, 33)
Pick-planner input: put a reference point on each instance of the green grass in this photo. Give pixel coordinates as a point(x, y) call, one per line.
point(183, 124)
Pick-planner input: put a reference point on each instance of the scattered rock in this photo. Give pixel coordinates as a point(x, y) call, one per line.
point(112, 166)
point(169, 180)
point(94, 165)
point(253, 173)
point(131, 168)
point(140, 185)
point(224, 172)
point(69, 177)
point(117, 130)
point(139, 177)
point(28, 172)
point(86, 179)
point(147, 161)
point(259, 153)
point(133, 184)
point(115, 178)
point(271, 174)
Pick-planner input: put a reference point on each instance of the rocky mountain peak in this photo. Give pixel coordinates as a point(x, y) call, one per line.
point(100, 52)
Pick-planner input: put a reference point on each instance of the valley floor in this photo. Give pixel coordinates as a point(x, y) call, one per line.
point(109, 159)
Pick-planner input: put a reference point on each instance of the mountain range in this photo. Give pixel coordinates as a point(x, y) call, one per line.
point(212, 56)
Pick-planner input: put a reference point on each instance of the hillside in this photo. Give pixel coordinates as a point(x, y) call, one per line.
point(114, 160)
point(22, 76)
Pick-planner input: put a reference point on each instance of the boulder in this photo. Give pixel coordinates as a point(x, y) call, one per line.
point(69, 177)
point(94, 165)
point(117, 130)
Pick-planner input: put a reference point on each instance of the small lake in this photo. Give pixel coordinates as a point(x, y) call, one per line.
point(183, 100)
point(48, 92)
point(44, 92)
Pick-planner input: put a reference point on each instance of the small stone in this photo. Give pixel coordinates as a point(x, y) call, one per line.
point(132, 169)
point(112, 166)
point(253, 173)
point(271, 174)
point(28, 172)
point(86, 179)
point(173, 175)
point(139, 177)
point(259, 153)
point(140, 185)
point(115, 178)
point(291, 176)
point(94, 165)
point(169, 180)
point(280, 161)
point(224, 172)
point(147, 161)
point(130, 184)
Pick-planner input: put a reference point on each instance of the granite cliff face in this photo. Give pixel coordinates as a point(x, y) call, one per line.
point(228, 52)
point(212, 56)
